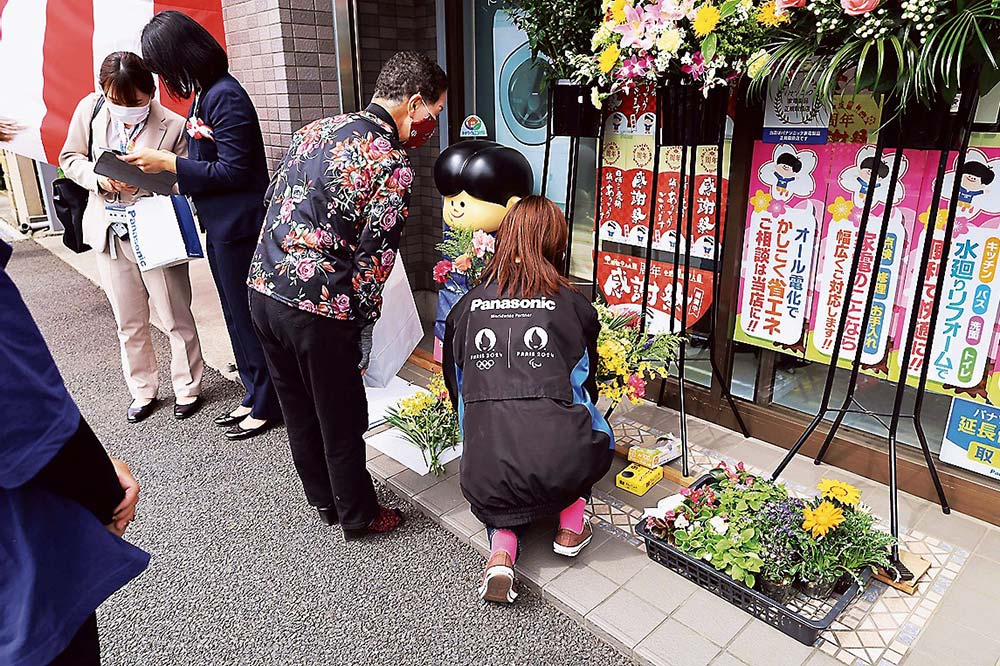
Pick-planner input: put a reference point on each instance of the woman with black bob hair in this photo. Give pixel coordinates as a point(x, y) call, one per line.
point(225, 173)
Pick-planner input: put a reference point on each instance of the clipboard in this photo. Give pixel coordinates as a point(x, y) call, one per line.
point(111, 167)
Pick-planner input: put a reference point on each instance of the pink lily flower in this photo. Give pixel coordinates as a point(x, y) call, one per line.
point(669, 11)
point(633, 31)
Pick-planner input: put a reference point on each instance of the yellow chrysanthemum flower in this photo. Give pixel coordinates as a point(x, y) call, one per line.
point(669, 41)
point(609, 58)
point(822, 519)
point(705, 20)
point(768, 15)
point(618, 11)
point(843, 492)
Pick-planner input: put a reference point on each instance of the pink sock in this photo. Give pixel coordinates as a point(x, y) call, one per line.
point(571, 518)
point(506, 541)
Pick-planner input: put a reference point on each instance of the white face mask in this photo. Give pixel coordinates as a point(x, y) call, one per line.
point(130, 115)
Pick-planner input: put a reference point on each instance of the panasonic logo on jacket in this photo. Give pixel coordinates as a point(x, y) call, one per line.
point(513, 304)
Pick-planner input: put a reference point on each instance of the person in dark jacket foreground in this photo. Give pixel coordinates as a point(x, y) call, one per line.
point(520, 357)
point(64, 505)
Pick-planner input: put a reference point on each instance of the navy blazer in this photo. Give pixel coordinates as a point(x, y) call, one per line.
point(226, 174)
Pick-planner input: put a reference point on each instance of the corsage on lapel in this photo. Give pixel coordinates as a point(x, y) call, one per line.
point(197, 129)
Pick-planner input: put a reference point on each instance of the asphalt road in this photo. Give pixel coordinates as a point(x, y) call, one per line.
point(242, 572)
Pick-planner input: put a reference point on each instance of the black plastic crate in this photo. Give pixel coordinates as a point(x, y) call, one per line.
point(793, 619)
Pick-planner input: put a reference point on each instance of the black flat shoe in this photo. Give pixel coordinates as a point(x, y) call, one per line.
point(226, 419)
point(137, 414)
point(182, 412)
point(238, 432)
point(328, 514)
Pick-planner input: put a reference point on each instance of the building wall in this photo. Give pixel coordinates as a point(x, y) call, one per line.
point(284, 54)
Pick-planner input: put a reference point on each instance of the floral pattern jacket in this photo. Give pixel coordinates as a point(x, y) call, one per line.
point(336, 208)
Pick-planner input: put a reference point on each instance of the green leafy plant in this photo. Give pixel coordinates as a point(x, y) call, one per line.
point(908, 50)
point(862, 544)
point(557, 29)
point(736, 552)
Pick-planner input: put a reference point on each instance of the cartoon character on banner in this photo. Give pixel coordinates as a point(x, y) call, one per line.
point(856, 179)
point(789, 173)
point(480, 181)
point(978, 191)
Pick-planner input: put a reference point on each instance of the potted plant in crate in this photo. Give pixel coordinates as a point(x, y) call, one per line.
point(561, 31)
point(778, 523)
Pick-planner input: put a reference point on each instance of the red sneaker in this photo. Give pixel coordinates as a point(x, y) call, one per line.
point(386, 521)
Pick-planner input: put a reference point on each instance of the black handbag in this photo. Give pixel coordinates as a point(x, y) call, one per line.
point(70, 199)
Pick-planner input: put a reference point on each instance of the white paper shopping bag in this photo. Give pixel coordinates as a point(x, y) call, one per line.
point(398, 330)
point(162, 231)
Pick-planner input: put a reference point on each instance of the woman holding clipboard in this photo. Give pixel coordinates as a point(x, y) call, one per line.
point(122, 119)
point(225, 174)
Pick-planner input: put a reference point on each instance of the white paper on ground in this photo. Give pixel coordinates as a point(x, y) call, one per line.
point(381, 399)
point(393, 444)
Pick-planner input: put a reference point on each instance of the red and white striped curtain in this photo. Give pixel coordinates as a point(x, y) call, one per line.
point(51, 50)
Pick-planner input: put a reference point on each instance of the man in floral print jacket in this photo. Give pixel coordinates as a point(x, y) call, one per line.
point(336, 209)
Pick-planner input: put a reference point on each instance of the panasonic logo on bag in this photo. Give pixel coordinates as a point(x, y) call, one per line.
point(513, 304)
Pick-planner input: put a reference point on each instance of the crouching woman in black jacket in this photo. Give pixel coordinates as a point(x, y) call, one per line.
point(520, 355)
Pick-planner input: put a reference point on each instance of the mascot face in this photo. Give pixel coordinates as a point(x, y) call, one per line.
point(464, 211)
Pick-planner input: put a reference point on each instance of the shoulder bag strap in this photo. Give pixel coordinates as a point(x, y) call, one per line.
point(90, 134)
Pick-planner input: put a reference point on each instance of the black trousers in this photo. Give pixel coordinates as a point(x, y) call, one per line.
point(314, 366)
point(230, 265)
point(84, 649)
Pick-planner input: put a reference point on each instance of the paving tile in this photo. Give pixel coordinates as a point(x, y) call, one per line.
point(608, 482)
point(657, 585)
point(579, 590)
point(673, 644)
point(383, 467)
point(452, 468)
point(760, 644)
point(979, 573)
point(618, 560)
point(624, 619)
point(538, 564)
point(822, 659)
point(410, 483)
point(461, 521)
point(954, 529)
point(920, 658)
point(441, 497)
point(726, 619)
point(726, 659)
point(990, 545)
point(371, 452)
point(952, 643)
point(481, 543)
point(970, 607)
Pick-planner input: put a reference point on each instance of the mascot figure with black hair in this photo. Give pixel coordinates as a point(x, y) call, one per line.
point(480, 181)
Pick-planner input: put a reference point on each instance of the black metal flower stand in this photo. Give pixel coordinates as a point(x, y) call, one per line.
point(901, 135)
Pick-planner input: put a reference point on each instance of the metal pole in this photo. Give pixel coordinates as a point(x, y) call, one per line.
point(571, 178)
point(658, 122)
point(844, 310)
point(548, 142)
point(869, 300)
point(718, 238)
point(599, 213)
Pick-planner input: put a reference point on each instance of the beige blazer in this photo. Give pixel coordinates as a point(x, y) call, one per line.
point(164, 129)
